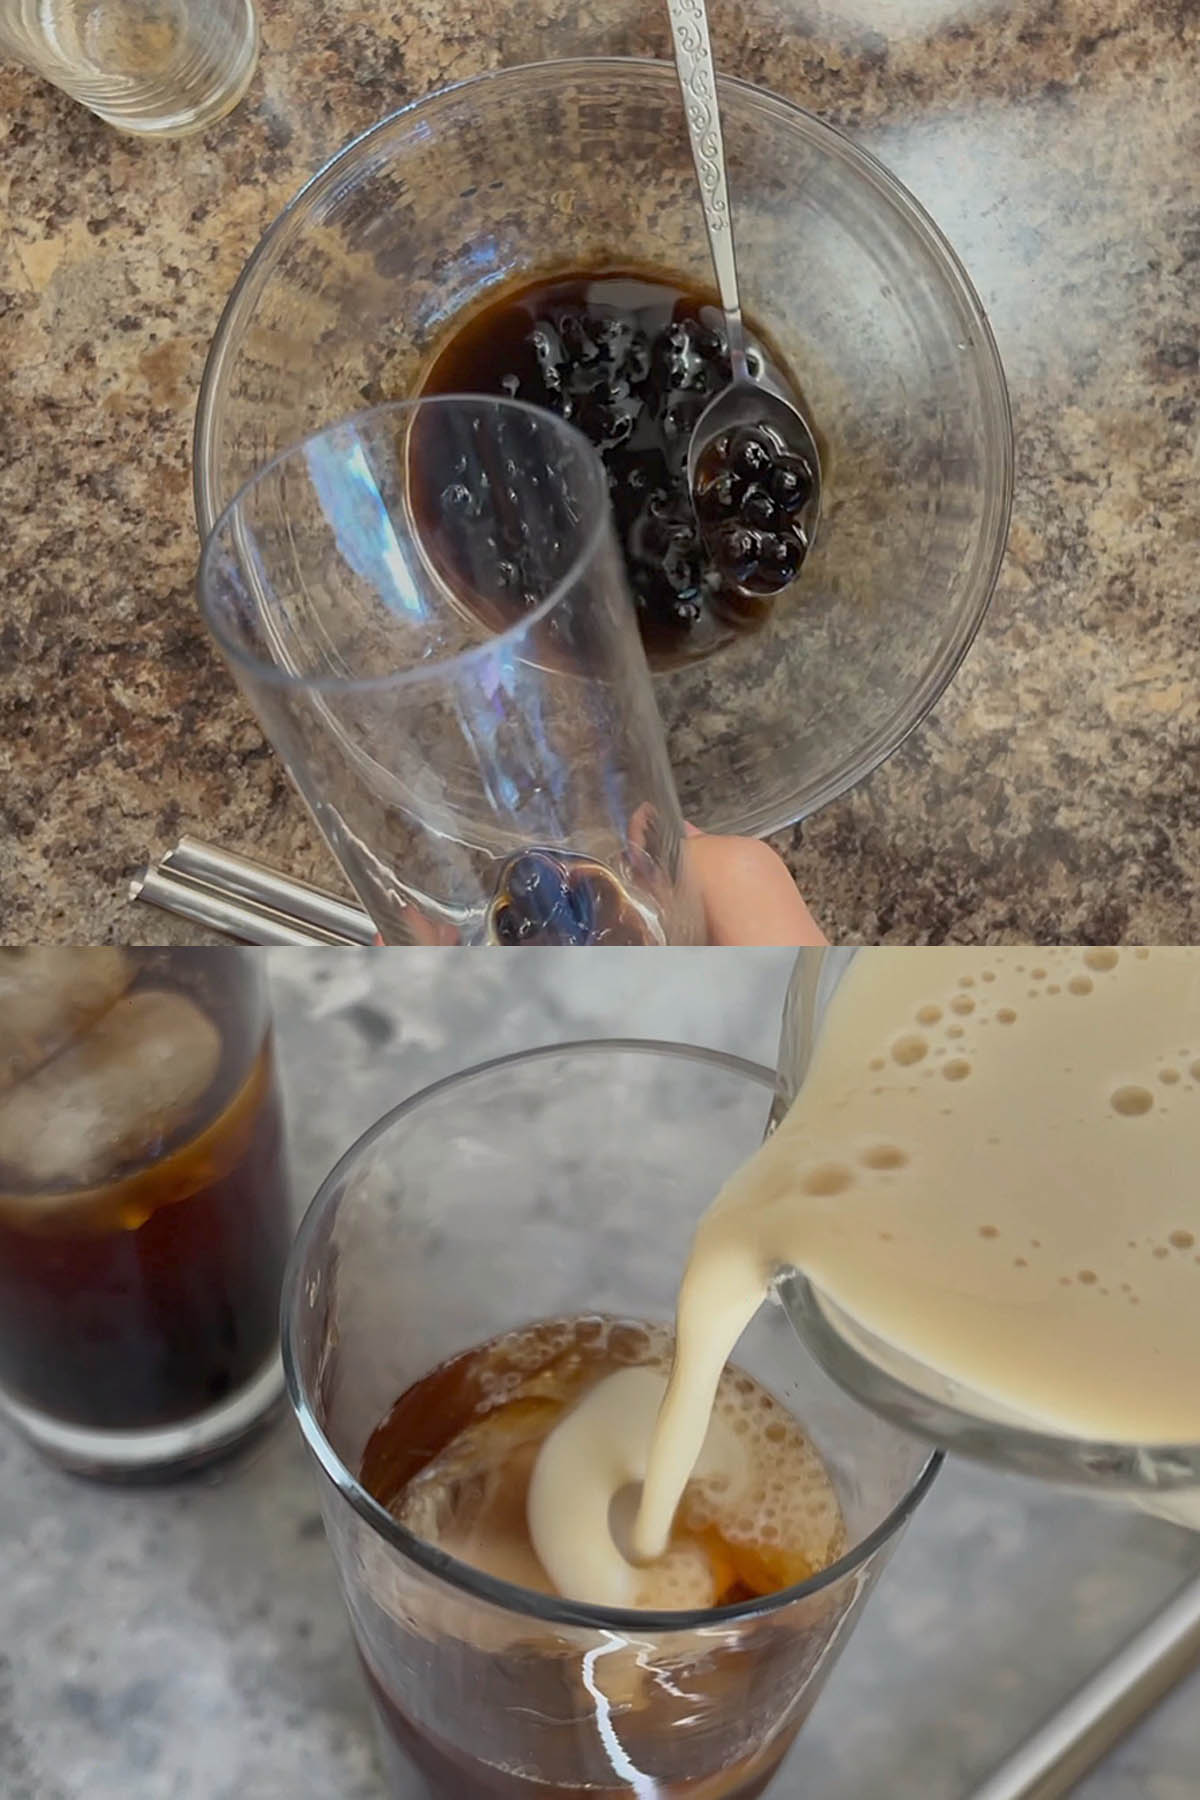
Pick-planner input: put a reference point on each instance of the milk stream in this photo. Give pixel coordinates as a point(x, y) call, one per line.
point(993, 1167)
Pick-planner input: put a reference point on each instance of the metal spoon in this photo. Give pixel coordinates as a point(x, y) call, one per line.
point(751, 399)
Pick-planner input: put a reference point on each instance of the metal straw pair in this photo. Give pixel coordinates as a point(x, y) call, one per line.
point(244, 899)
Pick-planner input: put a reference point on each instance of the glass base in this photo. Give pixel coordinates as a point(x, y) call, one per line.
point(161, 1451)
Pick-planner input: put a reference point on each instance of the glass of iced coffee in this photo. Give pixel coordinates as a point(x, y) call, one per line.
point(144, 1206)
point(494, 1262)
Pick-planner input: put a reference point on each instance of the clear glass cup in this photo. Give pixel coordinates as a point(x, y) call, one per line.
point(585, 165)
point(1159, 1478)
point(427, 610)
point(561, 1181)
point(144, 1205)
point(155, 68)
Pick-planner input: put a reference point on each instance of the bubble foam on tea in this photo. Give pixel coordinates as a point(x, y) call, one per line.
point(508, 1420)
point(991, 1166)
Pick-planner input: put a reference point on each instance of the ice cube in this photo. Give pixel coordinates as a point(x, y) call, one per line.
point(47, 997)
point(127, 1082)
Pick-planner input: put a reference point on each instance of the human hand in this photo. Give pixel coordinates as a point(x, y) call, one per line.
point(748, 893)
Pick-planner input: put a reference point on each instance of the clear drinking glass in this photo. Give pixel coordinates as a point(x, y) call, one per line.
point(144, 1204)
point(156, 68)
point(563, 1181)
point(427, 610)
point(1159, 1478)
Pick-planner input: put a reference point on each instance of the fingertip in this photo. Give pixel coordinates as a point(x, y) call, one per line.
point(749, 895)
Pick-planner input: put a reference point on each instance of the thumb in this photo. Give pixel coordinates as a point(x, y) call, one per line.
point(748, 893)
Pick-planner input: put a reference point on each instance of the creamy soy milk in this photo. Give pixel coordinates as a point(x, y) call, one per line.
point(993, 1167)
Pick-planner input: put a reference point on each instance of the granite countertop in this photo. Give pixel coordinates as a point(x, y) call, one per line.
point(188, 1643)
point(1052, 792)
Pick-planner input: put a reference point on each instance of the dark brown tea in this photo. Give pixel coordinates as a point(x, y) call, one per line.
point(631, 358)
point(144, 1216)
point(452, 1461)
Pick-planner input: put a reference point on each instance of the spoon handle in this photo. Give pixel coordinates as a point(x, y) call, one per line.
point(698, 85)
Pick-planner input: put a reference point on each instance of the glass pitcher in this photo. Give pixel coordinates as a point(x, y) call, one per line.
point(1156, 1478)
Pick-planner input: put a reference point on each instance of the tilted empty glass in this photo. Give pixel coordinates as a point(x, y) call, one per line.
point(427, 610)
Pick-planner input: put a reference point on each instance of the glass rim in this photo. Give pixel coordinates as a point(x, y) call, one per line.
point(438, 1563)
point(226, 528)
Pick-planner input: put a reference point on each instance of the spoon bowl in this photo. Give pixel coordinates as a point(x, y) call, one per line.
point(757, 408)
point(756, 556)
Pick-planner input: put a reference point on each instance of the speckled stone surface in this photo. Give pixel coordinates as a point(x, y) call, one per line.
point(1052, 793)
point(189, 1644)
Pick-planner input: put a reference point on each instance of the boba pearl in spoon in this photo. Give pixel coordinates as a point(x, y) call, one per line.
point(753, 469)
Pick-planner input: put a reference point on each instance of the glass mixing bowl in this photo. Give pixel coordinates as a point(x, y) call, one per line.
point(585, 164)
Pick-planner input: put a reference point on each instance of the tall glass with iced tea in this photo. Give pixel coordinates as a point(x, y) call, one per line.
point(144, 1207)
point(481, 1263)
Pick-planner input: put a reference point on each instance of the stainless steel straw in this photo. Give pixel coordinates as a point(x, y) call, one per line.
point(1079, 1734)
point(226, 872)
point(246, 900)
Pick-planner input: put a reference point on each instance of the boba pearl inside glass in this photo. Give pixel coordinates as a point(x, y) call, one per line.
point(144, 1206)
point(561, 1184)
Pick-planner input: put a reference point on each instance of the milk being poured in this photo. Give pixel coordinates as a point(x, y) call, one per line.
point(994, 1167)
